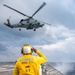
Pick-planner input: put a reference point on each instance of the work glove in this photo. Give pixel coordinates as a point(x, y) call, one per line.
point(34, 49)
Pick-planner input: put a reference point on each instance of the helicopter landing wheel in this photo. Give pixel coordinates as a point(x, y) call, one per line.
point(19, 29)
point(34, 29)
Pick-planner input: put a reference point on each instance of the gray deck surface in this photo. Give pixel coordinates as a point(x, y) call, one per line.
point(47, 69)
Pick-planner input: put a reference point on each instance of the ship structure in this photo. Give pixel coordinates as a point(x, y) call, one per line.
point(47, 69)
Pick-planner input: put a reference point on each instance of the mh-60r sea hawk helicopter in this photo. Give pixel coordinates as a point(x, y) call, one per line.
point(29, 23)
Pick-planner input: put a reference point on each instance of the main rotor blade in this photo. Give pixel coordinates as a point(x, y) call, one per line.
point(15, 10)
point(39, 8)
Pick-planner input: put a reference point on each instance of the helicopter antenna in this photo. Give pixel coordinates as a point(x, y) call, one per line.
point(39, 8)
point(15, 10)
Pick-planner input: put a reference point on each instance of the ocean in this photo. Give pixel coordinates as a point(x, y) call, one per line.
point(6, 68)
point(66, 68)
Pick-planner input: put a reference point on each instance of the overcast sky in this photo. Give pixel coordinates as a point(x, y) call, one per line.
point(57, 41)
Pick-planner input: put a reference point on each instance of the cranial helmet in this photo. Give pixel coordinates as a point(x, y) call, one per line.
point(26, 49)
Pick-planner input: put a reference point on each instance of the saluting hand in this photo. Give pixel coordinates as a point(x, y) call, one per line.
point(34, 49)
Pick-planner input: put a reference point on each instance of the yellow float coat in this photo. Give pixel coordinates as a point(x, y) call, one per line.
point(29, 64)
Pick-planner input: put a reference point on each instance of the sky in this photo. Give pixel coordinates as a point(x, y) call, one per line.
point(56, 41)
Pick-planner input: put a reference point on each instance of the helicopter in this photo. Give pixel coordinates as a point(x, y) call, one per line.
point(28, 23)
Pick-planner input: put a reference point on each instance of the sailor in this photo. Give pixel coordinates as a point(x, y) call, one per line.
point(29, 64)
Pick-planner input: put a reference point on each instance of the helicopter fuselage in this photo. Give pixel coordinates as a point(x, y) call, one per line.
point(29, 24)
